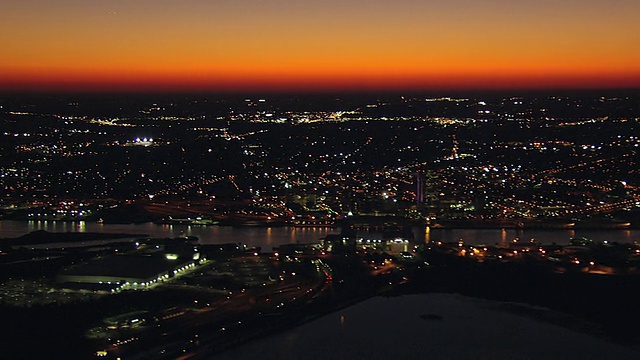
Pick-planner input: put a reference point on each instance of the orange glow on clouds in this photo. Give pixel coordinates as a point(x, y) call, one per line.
point(309, 45)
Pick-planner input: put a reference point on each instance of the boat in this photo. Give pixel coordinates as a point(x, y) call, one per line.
point(547, 224)
point(476, 224)
point(187, 221)
point(602, 223)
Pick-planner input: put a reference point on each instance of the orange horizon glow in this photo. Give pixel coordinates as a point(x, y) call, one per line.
point(132, 81)
point(352, 45)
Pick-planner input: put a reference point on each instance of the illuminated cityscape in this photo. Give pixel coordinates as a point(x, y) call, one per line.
point(320, 179)
point(141, 212)
point(514, 159)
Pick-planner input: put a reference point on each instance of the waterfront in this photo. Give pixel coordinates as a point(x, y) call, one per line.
point(269, 237)
point(264, 237)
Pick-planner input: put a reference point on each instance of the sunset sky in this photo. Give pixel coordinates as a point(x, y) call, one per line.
point(278, 45)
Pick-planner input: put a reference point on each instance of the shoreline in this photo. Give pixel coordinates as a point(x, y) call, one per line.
point(446, 225)
point(40, 237)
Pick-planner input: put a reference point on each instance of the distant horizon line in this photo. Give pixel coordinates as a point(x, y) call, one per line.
point(320, 92)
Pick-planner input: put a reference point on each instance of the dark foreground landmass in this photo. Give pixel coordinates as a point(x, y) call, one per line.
point(601, 305)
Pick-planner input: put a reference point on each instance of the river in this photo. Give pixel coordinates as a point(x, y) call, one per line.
point(267, 238)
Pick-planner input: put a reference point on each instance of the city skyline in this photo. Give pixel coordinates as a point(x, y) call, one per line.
point(311, 46)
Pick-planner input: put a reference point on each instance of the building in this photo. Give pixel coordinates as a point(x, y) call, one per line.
point(136, 270)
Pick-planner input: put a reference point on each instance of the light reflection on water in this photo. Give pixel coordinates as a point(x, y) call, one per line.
point(267, 238)
point(251, 236)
